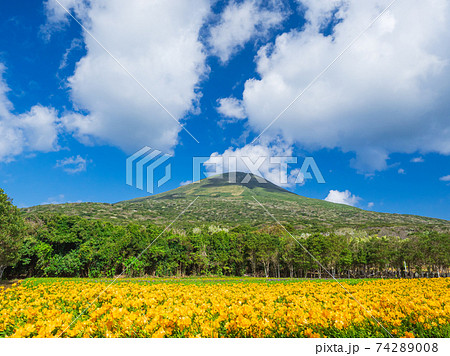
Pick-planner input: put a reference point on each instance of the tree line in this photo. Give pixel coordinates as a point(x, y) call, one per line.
point(70, 246)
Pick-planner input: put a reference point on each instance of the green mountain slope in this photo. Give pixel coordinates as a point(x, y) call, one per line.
point(223, 185)
point(230, 204)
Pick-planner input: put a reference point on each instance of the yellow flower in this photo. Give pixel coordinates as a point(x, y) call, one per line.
point(409, 335)
point(177, 309)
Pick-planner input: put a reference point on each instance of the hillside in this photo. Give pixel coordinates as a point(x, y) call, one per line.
point(230, 204)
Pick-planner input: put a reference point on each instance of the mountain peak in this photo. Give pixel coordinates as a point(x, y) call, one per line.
point(236, 182)
point(248, 180)
point(230, 184)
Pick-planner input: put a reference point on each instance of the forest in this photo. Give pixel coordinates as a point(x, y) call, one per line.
point(53, 245)
point(62, 246)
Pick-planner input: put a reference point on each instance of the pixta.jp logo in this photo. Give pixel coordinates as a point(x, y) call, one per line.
point(148, 159)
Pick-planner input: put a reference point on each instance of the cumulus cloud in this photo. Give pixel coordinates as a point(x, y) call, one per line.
point(231, 108)
point(57, 17)
point(417, 160)
point(370, 205)
point(242, 21)
point(268, 160)
point(345, 197)
point(401, 171)
point(33, 131)
point(388, 93)
point(157, 42)
point(73, 164)
point(445, 178)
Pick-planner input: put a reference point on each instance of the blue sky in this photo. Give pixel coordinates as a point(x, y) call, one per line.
point(377, 122)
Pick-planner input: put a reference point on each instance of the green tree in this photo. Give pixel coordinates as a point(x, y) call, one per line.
point(11, 232)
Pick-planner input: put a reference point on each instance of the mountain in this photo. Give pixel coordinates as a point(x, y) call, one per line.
point(240, 185)
point(228, 204)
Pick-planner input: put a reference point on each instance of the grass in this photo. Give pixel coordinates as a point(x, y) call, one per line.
point(191, 280)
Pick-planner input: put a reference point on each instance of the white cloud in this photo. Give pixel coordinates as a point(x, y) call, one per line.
point(73, 164)
point(445, 178)
point(157, 42)
point(257, 159)
point(57, 17)
point(185, 183)
point(75, 44)
point(33, 131)
point(401, 171)
point(59, 199)
point(417, 160)
point(231, 108)
point(345, 197)
point(242, 21)
point(370, 205)
point(388, 93)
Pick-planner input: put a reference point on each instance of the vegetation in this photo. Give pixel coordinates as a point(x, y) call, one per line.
point(232, 308)
point(68, 246)
point(11, 232)
point(225, 234)
point(230, 205)
point(324, 238)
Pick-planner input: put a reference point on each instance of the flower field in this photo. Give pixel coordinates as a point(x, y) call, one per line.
point(225, 308)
